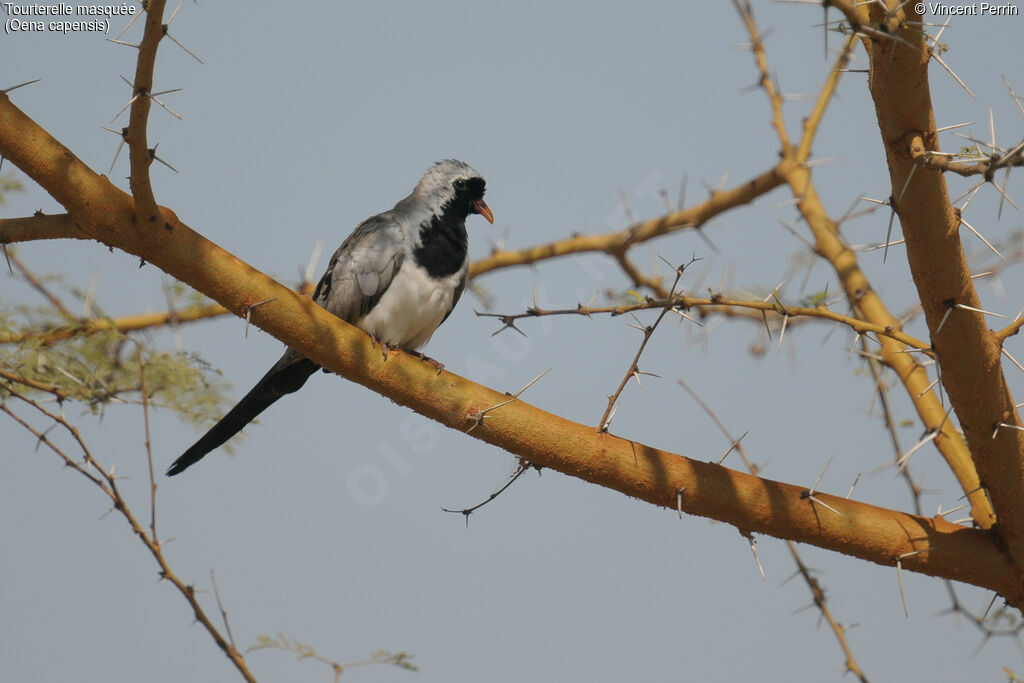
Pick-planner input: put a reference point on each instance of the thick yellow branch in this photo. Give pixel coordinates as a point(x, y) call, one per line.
point(968, 353)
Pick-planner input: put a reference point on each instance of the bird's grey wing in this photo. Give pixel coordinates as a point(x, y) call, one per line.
point(362, 268)
point(358, 275)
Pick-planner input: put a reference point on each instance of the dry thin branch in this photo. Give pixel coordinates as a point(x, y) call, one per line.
point(981, 622)
point(723, 305)
point(220, 606)
point(128, 323)
point(285, 643)
point(634, 369)
point(765, 80)
point(149, 445)
point(640, 280)
point(473, 508)
point(820, 601)
point(37, 285)
point(124, 324)
point(59, 394)
point(88, 466)
point(817, 592)
point(965, 165)
point(890, 427)
point(621, 240)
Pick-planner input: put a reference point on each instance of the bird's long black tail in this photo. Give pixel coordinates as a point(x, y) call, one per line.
point(287, 376)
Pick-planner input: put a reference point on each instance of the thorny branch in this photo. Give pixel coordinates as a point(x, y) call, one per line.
point(620, 241)
point(34, 384)
point(882, 391)
point(862, 297)
point(817, 592)
point(139, 153)
point(285, 643)
point(634, 369)
point(968, 354)
point(106, 481)
point(37, 285)
point(720, 304)
point(821, 602)
point(987, 625)
point(128, 323)
point(965, 165)
point(149, 446)
point(473, 508)
point(79, 325)
point(146, 213)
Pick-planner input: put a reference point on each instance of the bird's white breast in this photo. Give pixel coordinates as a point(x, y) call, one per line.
point(413, 306)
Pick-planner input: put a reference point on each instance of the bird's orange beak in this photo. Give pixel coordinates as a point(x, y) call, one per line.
point(484, 210)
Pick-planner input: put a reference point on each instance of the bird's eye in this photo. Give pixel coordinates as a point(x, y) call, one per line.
point(459, 184)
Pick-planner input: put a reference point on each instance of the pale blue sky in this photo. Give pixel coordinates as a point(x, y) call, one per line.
point(299, 124)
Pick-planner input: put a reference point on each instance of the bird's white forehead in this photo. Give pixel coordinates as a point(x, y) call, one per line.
point(440, 176)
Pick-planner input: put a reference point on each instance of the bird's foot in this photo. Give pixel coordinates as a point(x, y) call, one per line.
point(374, 340)
point(439, 366)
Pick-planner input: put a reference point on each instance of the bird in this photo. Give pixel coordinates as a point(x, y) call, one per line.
point(397, 277)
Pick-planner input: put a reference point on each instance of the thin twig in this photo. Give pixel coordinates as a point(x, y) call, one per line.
point(148, 442)
point(648, 332)
point(816, 591)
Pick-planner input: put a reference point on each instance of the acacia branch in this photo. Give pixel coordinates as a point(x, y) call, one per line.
point(820, 601)
point(765, 80)
point(1010, 330)
point(58, 393)
point(35, 283)
point(106, 213)
point(39, 227)
point(634, 369)
point(865, 302)
point(968, 353)
point(106, 481)
point(128, 323)
point(123, 324)
point(620, 241)
point(966, 166)
point(723, 305)
point(817, 592)
point(638, 277)
point(139, 153)
point(890, 428)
